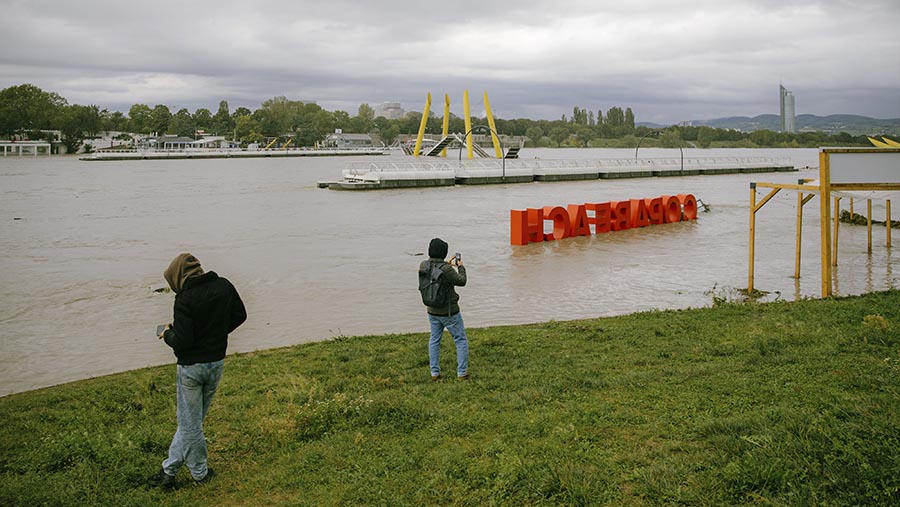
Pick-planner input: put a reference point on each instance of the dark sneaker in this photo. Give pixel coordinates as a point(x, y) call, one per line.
point(161, 480)
point(464, 376)
point(210, 473)
point(435, 378)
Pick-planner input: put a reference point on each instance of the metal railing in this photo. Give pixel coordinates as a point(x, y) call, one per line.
point(538, 166)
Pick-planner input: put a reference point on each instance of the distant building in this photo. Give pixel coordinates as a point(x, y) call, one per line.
point(390, 110)
point(169, 142)
point(341, 140)
point(787, 109)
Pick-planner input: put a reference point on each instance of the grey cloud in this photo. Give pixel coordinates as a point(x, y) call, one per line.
point(669, 61)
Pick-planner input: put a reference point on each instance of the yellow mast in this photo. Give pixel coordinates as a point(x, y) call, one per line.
point(422, 125)
point(468, 123)
point(445, 131)
point(490, 118)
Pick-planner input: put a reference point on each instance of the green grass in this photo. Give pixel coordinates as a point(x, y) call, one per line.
point(740, 404)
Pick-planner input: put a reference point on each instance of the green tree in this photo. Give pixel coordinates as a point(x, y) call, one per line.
point(615, 117)
point(26, 108)
point(579, 116)
point(241, 111)
point(316, 123)
point(159, 119)
point(278, 116)
point(534, 134)
point(629, 118)
point(78, 122)
point(182, 124)
point(409, 124)
point(203, 119)
point(670, 139)
point(365, 118)
point(222, 122)
point(389, 135)
point(342, 120)
point(139, 118)
point(113, 121)
point(247, 129)
point(763, 137)
point(585, 135)
point(559, 134)
point(705, 136)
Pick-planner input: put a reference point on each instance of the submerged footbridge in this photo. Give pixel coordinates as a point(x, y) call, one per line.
point(435, 173)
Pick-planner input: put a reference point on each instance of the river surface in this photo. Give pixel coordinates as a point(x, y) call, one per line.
point(83, 246)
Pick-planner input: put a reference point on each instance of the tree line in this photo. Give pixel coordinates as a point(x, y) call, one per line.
point(27, 112)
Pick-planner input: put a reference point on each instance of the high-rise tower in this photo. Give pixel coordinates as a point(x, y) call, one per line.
point(787, 109)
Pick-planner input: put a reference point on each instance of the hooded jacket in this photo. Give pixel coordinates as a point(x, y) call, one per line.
point(453, 279)
point(207, 308)
point(437, 250)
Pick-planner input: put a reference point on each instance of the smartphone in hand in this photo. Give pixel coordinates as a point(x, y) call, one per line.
point(160, 329)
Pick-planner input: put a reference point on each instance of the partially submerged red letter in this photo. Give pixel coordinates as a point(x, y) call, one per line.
point(579, 220)
point(620, 215)
point(561, 226)
point(526, 226)
point(671, 209)
point(601, 218)
point(689, 206)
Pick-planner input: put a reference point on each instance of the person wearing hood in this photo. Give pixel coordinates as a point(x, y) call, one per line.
point(207, 308)
point(448, 316)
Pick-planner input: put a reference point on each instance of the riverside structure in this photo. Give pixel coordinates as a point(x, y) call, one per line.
point(204, 153)
point(376, 175)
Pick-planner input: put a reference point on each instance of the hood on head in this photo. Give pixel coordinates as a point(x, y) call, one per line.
point(437, 249)
point(181, 268)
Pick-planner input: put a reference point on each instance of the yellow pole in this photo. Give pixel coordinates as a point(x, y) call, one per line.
point(824, 215)
point(422, 125)
point(468, 120)
point(752, 237)
point(851, 208)
point(887, 220)
point(490, 118)
point(837, 213)
point(799, 234)
point(869, 223)
point(445, 131)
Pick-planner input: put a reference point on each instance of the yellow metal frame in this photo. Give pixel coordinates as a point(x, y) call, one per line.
point(422, 126)
point(829, 236)
point(445, 127)
point(490, 118)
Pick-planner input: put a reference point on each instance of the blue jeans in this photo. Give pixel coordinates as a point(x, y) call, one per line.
point(197, 384)
point(454, 324)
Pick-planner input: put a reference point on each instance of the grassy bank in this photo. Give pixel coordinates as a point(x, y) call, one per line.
point(742, 404)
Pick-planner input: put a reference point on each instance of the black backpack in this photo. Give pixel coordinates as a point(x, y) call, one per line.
point(435, 292)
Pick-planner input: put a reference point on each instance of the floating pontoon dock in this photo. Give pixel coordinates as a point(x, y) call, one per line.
point(378, 175)
point(203, 153)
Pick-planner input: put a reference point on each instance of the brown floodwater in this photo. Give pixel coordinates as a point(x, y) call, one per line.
point(83, 246)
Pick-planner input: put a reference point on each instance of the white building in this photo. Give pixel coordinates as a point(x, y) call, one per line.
point(390, 110)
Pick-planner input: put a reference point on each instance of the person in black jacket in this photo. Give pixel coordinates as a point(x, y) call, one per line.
point(448, 316)
point(207, 309)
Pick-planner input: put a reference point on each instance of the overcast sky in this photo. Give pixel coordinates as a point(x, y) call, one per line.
point(670, 61)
